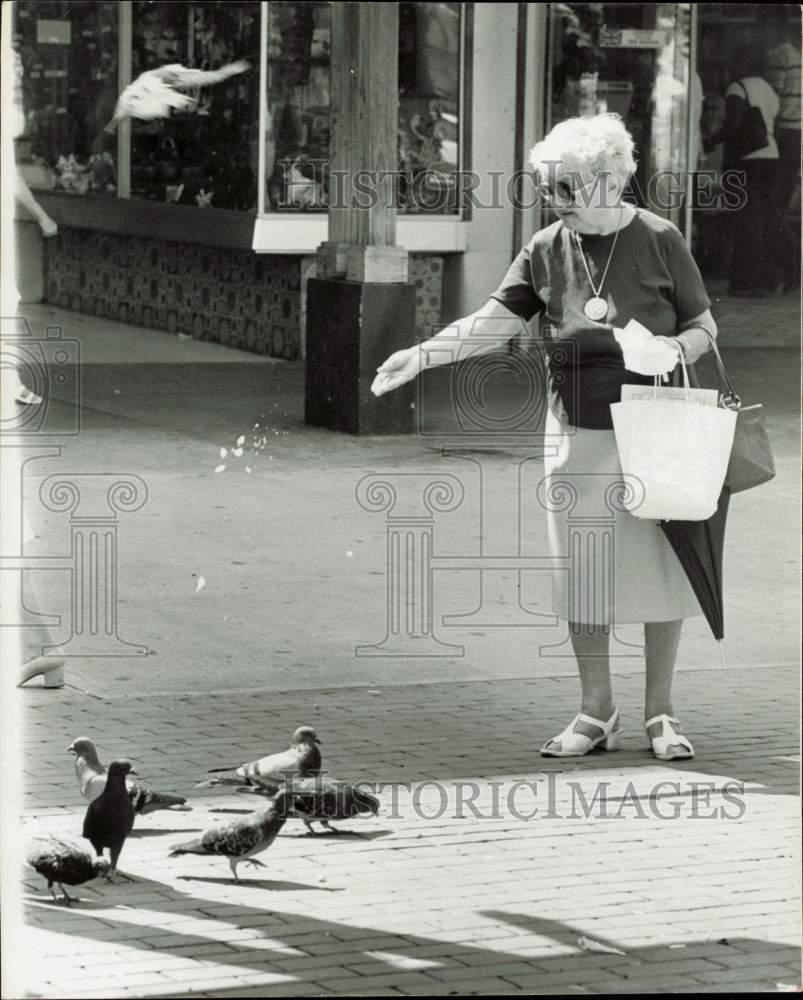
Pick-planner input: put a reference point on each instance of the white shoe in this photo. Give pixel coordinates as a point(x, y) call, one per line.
point(574, 744)
point(669, 737)
point(51, 669)
point(27, 396)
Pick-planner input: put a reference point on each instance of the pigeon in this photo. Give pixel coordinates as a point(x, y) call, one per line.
point(91, 776)
point(110, 817)
point(242, 838)
point(63, 862)
point(321, 800)
point(156, 91)
point(302, 758)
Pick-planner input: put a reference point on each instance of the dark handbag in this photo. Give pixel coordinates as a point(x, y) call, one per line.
point(752, 132)
point(752, 461)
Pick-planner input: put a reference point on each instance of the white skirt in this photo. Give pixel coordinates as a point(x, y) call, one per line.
point(610, 567)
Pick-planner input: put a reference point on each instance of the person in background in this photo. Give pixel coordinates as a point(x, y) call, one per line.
point(755, 251)
point(33, 652)
point(782, 71)
point(24, 198)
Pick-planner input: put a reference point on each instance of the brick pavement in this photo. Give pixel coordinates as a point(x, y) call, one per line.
point(431, 897)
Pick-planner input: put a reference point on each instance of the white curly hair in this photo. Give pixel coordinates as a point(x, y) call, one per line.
point(597, 143)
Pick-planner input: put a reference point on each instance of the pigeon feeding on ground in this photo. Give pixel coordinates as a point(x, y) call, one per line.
point(241, 839)
point(64, 863)
point(321, 800)
point(91, 775)
point(156, 91)
point(110, 817)
point(301, 759)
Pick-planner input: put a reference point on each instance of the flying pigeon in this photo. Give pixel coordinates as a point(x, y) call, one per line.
point(110, 817)
point(63, 862)
point(302, 758)
point(321, 800)
point(91, 775)
point(241, 839)
point(156, 91)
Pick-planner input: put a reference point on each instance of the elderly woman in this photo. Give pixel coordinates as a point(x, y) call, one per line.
point(601, 264)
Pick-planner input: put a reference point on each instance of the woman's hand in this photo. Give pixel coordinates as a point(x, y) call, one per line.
point(401, 367)
point(690, 352)
point(673, 343)
point(48, 226)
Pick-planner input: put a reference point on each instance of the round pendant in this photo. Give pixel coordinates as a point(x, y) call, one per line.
point(596, 308)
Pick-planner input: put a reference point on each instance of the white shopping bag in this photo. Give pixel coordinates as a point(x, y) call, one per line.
point(678, 449)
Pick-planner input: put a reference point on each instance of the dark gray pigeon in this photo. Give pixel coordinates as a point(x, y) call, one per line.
point(302, 758)
point(323, 800)
point(91, 775)
point(64, 863)
point(110, 817)
point(241, 839)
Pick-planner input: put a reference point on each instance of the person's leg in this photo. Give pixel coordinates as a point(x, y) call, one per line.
point(788, 167)
point(773, 249)
point(591, 645)
point(661, 640)
point(746, 226)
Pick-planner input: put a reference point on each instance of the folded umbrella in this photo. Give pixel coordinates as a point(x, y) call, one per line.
point(699, 545)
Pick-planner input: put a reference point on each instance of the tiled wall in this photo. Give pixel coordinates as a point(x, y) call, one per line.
point(235, 297)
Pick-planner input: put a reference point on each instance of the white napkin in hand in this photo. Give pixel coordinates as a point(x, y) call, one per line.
point(644, 354)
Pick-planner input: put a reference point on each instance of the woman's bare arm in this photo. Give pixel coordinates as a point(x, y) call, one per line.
point(25, 197)
point(694, 338)
point(483, 332)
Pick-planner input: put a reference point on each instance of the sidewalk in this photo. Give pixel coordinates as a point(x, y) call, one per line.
point(427, 897)
point(403, 904)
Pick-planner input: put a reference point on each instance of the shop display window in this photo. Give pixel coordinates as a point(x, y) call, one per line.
point(209, 156)
point(297, 103)
point(206, 156)
point(67, 54)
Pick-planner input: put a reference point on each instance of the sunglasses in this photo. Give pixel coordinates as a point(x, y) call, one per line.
point(563, 191)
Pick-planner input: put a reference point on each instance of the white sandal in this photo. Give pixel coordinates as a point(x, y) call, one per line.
point(578, 744)
point(27, 396)
point(50, 667)
point(669, 737)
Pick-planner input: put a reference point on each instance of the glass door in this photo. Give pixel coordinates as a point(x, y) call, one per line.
point(632, 59)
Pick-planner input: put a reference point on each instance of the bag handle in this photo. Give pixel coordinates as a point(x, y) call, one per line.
point(731, 398)
point(740, 83)
point(686, 384)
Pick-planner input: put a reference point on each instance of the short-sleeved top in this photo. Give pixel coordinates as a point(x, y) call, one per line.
point(783, 75)
point(652, 278)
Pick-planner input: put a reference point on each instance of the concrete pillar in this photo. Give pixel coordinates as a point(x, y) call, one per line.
point(361, 307)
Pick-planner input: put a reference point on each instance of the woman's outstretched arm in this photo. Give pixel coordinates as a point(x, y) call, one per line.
point(482, 332)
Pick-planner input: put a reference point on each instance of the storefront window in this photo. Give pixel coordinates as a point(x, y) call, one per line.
point(68, 58)
point(207, 156)
point(632, 59)
point(298, 99)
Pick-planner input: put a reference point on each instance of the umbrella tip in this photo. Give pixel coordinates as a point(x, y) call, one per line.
point(722, 653)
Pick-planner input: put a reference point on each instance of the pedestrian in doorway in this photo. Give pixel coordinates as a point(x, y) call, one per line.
point(755, 223)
